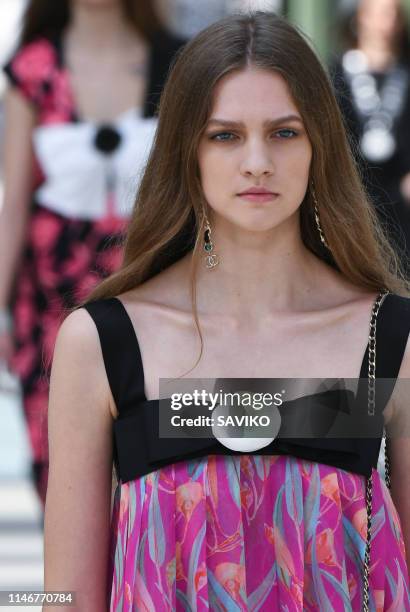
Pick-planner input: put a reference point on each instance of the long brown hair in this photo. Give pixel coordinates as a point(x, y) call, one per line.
point(168, 213)
point(50, 17)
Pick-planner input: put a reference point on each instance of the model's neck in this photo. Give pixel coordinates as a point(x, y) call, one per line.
point(259, 273)
point(380, 55)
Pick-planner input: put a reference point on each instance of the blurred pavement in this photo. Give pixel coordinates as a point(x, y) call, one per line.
point(21, 536)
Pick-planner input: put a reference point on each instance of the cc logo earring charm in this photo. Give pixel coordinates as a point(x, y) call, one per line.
point(211, 259)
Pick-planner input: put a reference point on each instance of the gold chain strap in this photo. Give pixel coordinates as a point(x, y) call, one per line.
point(371, 403)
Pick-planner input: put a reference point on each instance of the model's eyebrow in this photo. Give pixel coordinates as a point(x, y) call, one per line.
point(267, 123)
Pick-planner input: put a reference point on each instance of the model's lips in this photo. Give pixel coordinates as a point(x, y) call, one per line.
point(257, 190)
point(258, 194)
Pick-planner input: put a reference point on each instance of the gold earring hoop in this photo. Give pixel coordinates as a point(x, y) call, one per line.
point(317, 218)
point(211, 258)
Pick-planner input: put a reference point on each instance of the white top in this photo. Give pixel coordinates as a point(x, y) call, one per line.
point(76, 172)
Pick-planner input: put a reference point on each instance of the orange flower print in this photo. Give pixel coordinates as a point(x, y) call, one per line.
point(246, 465)
point(188, 497)
point(379, 600)
point(269, 533)
point(283, 554)
point(359, 521)
point(306, 469)
point(232, 578)
point(325, 548)
point(246, 496)
point(179, 568)
point(273, 459)
point(296, 590)
point(330, 487)
point(200, 577)
point(308, 588)
point(127, 592)
point(352, 584)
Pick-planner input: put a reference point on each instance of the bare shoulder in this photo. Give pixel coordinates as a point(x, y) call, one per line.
point(78, 341)
point(79, 389)
point(78, 356)
point(78, 331)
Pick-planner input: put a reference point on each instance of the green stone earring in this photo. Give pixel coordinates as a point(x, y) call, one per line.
point(211, 259)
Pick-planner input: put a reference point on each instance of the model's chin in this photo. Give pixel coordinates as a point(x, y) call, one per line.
point(254, 217)
point(260, 225)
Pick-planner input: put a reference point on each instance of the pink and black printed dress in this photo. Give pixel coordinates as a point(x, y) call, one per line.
point(196, 526)
point(87, 175)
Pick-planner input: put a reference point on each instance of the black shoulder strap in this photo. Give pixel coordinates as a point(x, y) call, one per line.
point(121, 352)
point(392, 332)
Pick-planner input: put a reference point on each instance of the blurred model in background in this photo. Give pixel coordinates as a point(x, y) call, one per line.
point(373, 84)
point(80, 117)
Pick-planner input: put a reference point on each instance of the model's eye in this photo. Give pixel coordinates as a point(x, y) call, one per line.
point(223, 136)
point(286, 133)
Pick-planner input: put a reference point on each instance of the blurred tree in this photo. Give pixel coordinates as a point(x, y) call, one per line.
point(313, 17)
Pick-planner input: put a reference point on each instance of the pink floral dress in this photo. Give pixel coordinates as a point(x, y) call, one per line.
point(232, 532)
point(247, 533)
point(85, 181)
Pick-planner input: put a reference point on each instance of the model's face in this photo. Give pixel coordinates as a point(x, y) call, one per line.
point(378, 18)
point(254, 138)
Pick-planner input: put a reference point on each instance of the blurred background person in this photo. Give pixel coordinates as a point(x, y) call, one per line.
point(372, 80)
point(84, 85)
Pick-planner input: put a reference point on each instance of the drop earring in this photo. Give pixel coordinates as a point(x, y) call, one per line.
point(317, 219)
point(211, 259)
